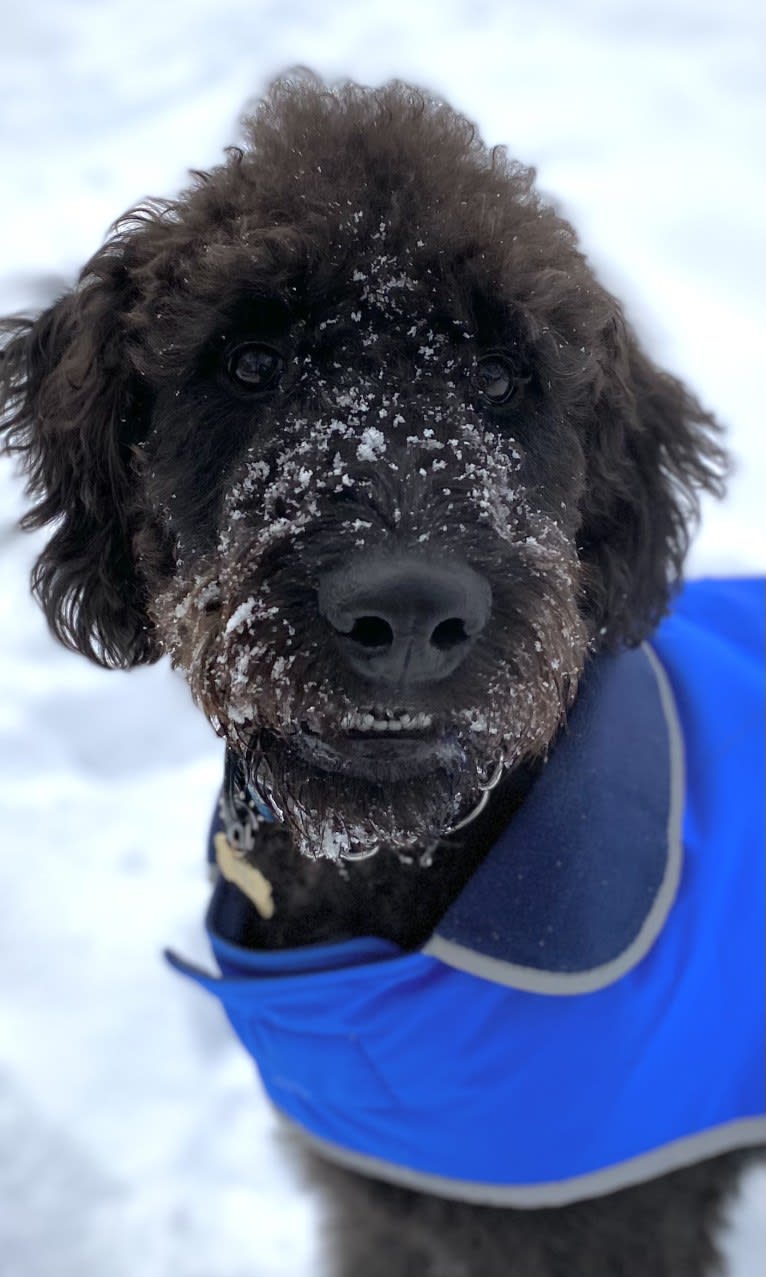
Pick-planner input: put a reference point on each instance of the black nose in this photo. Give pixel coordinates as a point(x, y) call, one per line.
point(403, 620)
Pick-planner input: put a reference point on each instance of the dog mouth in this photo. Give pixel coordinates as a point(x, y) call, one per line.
point(380, 745)
point(375, 722)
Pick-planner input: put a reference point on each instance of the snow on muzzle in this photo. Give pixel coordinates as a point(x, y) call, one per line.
point(244, 625)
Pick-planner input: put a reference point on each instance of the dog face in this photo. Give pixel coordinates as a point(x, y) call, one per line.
point(351, 431)
point(375, 593)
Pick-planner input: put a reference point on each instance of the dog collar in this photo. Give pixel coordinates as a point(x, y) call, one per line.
point(242, 810)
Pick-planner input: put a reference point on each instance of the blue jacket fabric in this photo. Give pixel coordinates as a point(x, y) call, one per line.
point(589, 1012)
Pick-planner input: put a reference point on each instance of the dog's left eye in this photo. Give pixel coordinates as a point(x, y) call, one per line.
point(254, 365)
point(495, 379)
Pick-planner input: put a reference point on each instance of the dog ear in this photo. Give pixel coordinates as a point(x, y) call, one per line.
point(71, 411)
point(650, 449)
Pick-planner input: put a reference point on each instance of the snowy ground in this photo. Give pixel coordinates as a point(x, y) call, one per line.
point(132, 1138)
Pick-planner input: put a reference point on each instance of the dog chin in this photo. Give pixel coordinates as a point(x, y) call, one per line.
point(336, 805)
point(380, 760)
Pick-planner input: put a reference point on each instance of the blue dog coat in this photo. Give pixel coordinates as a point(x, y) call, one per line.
point(589, 1012)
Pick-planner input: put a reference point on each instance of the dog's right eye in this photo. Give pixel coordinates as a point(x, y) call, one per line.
point(254, 365)
point(495, 379)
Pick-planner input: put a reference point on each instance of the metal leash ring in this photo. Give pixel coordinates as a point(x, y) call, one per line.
point(361, 855)
point(477, 810)
point(495, 778)
point(485, 791)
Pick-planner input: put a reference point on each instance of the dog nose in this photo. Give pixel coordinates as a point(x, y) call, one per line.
point(402, 620)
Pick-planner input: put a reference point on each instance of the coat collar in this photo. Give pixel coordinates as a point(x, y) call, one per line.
point(578, 887)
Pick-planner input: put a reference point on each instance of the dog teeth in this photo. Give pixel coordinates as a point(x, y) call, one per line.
point(385, 721)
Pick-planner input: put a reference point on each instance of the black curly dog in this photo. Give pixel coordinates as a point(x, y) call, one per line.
point(351, 431)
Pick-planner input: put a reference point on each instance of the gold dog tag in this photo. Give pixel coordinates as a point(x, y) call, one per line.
point(250, 880)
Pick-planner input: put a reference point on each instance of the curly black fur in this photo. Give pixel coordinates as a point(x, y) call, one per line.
point(84, 380)
point(661, 1229)
point(380, 251)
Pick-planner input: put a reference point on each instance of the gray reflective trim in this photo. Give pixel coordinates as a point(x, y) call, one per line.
point(536, 980)
point(747, 1132)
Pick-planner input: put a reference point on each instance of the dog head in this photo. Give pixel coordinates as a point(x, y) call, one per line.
point(352, 432)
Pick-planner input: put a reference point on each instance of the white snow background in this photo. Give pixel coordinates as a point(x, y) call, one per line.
point(133, 1138)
